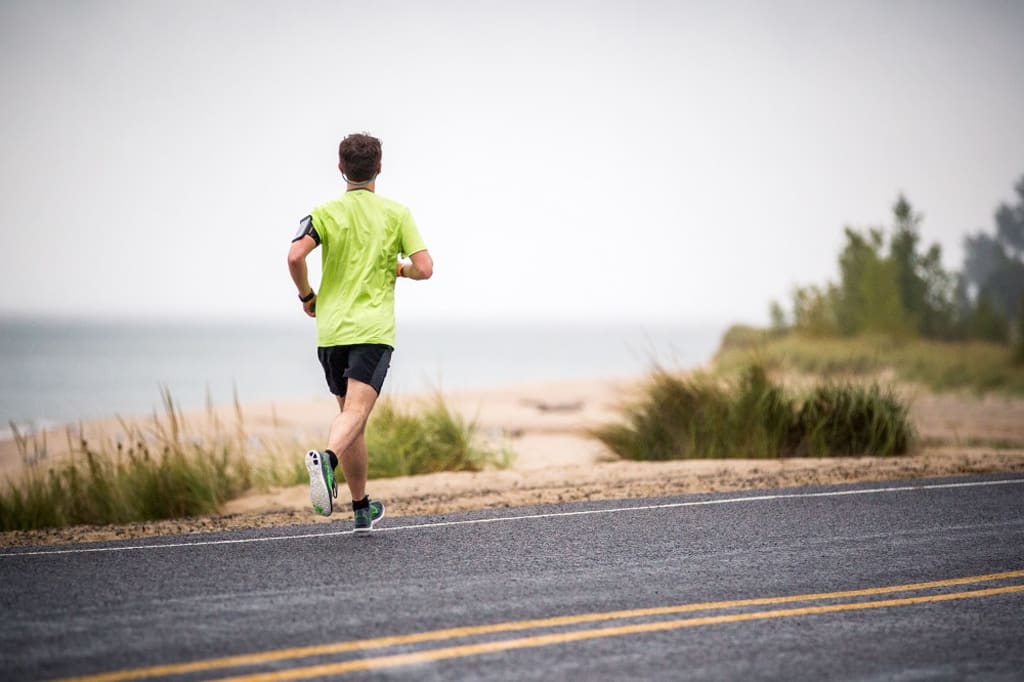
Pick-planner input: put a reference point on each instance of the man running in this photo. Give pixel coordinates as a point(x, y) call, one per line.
point(364, 238)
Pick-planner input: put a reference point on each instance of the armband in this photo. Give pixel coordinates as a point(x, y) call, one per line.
point(306, 228)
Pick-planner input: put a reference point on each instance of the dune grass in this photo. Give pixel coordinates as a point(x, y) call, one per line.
point(706, 417)
point(168, 470)
point(977, 366)
point(159, 472)
point(405, 443)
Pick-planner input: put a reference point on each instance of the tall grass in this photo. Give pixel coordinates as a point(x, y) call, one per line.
point(168, 470)
point(975, 365)
point(405, 443)
point(851, 419)
point(163, 471)
point(704, 417)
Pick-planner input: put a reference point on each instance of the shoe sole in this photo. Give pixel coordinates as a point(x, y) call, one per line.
point(319, 495)
point(366, 531)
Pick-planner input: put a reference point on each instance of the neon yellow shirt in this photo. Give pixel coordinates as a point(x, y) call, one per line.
point(362, 236)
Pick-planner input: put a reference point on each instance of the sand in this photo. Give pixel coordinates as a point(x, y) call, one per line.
point(556, 461)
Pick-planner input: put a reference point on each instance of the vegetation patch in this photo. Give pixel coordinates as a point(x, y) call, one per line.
point(405, 443)
point(145, 474)
point(705, 417)
point(978, 366)
point(896, 307)
point(167, 470)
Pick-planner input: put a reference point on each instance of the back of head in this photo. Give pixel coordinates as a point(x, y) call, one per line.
point(359, 155)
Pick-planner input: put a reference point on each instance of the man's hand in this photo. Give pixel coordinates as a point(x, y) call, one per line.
point(309, 307)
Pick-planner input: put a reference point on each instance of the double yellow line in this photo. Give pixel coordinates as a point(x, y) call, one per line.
point(461, 651)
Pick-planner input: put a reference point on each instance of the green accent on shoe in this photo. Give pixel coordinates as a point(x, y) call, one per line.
point(332, 485)
point(322, 487)
point(365, 518)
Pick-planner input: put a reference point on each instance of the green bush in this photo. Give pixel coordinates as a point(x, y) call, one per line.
point(701, 417)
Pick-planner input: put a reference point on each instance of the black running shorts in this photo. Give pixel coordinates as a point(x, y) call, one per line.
point(365, 362)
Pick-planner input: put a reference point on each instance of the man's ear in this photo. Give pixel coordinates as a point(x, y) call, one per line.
point(340, 168)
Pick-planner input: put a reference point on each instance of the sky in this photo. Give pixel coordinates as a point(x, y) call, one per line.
point(678, 162)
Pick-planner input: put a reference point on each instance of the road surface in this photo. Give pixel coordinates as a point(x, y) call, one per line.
point(902, 581)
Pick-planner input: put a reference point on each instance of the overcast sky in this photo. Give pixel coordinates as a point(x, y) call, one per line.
point(659, 161)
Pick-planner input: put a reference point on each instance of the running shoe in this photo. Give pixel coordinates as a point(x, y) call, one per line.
point(365, 518)
point(322, 486)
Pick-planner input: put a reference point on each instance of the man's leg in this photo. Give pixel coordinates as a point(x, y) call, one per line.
point(355, 460)
point(347, 437)
point(355, 375)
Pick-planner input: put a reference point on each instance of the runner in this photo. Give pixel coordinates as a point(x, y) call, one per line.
point(364, 238)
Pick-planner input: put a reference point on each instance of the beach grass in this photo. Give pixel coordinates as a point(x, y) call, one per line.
point(704, 416)
point(432, 439)
point(166, 469)
point(942, 366)
point(151, 472)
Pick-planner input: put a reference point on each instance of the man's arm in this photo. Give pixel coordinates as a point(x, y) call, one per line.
point(301, 248)
point(421, 267)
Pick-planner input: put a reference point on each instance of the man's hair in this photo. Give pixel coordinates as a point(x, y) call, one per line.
point(359, 154)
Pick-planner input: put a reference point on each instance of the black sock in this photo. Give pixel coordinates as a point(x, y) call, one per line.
point(361, 504)
point(334, 458)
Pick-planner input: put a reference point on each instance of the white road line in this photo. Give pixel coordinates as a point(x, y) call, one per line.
point(500, 519)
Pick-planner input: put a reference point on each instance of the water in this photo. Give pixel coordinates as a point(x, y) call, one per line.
point(54, 372)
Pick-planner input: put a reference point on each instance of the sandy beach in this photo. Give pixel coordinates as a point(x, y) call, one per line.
point(546, 426)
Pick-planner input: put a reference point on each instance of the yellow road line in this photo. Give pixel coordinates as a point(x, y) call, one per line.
point(580, 635)
point(511, 626)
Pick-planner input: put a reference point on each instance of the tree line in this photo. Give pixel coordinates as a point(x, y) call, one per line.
point(891, 284)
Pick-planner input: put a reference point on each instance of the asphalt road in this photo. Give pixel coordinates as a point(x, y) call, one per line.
point(894, 581)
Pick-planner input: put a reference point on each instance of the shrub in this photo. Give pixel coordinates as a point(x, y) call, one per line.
point(850, 420)
point(700, 417)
